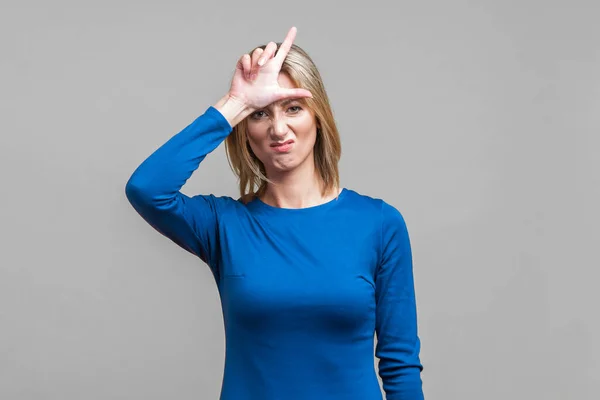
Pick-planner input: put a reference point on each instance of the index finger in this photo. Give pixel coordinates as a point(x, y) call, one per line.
point(286, 45)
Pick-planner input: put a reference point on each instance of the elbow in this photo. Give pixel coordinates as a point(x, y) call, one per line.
point(134, 191)
point(140, 197)
point(131, 190)
point(143, 193)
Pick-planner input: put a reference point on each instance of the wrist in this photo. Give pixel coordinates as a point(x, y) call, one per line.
point(233, 109)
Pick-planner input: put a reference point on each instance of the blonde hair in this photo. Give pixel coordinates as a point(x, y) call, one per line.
point(250, 171)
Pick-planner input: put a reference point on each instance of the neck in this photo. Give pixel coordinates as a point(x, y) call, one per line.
point(299, 188)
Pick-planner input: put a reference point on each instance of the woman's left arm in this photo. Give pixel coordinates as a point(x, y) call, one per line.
point(398, 343)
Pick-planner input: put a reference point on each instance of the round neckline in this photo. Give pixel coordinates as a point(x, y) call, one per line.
point(317, 207)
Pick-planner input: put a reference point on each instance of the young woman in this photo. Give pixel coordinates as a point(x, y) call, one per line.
point(307, 272)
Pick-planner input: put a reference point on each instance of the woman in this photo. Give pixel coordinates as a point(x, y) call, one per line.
point(307, 271)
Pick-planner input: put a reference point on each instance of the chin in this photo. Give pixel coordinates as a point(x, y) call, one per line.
point(283, 166)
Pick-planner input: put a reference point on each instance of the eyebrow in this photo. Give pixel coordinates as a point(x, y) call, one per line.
point(285, 102)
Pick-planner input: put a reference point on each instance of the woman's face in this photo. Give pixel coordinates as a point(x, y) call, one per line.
point(282, 135)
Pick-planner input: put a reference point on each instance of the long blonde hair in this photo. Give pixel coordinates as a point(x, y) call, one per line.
point(250, 171)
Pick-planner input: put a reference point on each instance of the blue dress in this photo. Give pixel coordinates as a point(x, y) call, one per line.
point(303, 291)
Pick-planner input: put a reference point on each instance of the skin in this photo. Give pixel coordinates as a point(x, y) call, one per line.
point(275, 112)
point(280, 122)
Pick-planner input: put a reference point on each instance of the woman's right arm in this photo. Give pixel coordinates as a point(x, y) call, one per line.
point(154, 187)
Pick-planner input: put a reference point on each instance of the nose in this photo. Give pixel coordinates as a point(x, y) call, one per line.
point(279, 127)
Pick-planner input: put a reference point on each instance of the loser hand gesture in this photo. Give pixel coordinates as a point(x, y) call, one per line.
point(254, 83)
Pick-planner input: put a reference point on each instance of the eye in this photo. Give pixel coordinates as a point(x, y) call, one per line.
point(257, 114)
point(295, 109)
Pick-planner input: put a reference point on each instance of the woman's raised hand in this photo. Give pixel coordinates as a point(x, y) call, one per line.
point(254, 83)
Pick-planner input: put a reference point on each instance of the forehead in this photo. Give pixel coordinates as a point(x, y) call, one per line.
point(284, 81)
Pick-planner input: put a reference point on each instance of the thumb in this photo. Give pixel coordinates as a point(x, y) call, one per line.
point(293, 93)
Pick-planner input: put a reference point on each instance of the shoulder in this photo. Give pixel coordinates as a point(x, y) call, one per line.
point(219, 204)
point(365, 203)
point(382, 210)
point(387, 219)
point(388, 222)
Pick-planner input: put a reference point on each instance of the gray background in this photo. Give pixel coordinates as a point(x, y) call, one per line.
point(478, 120)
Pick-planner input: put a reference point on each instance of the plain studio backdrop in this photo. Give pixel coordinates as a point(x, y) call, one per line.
point(478, 120)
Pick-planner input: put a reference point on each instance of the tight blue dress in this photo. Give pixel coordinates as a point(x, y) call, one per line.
point(309, 296)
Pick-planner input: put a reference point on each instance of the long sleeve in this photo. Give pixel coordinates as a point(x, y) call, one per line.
point(154, 187)
point(398, 343)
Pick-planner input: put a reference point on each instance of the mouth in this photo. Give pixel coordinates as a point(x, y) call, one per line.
point(282, 147)
point(282, 143)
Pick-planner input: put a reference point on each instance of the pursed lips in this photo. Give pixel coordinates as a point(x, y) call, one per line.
point(282, 143)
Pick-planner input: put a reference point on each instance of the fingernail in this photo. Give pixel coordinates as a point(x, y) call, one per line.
point(261, 61)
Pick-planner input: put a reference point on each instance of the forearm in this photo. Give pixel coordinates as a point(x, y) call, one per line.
point(158, 178)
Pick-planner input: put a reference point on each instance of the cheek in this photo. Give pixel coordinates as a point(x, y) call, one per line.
point(254, 148)
point(256, 139)
point(257, 147)
point(310, 139)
